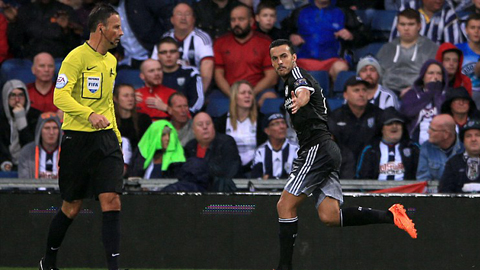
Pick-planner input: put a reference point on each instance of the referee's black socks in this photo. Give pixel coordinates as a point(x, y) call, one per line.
point(111, 237)
point(288, 234)
point(56, 233)
point(357, 216)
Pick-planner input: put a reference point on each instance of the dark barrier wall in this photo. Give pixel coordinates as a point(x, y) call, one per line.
point(240, 232)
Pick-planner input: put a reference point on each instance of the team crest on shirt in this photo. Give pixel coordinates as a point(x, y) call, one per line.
point(300, 82)
point(371, 122)
point(93, 84)
point(406, 152)
point(286, 90)
point(181, 81)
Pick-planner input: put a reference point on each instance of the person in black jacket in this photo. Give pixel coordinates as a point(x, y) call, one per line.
point(219, 150)
point(462, 171)
point(391, 155)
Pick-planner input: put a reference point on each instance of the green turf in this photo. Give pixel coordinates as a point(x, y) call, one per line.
point(23, 268)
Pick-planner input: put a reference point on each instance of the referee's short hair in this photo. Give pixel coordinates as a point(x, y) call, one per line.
point(280, 42)
point(100, 14)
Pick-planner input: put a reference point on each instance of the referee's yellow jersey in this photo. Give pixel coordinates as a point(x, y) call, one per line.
point(85, 85)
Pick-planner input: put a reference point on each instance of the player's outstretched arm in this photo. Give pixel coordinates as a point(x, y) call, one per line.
point(300, 98)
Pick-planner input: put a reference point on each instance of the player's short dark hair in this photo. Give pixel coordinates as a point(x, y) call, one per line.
point(280, 42)
point(167, 40)
point(180, 94)
point(264, 5)
point(100, 14)
point(472, 17)
point(410, 13)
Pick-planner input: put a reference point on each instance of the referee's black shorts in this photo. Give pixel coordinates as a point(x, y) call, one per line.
point(90, 163)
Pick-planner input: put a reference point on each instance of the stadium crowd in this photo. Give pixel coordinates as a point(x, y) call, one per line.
point(196, 97)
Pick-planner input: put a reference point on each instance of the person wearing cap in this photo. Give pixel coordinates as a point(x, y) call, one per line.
point(370, 70)
point(423, 101)
point(442, 144)
point(354, 124)
point(462, 171)
point(460, 105)
point(18, 121)
point(39, 159)
point(452, 59)
point(273, 159)
point(391, 155)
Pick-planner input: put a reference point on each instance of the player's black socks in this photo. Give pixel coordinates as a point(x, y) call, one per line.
point(357, 216)
point(111, 237)
point(56, 233)
point(288, 234)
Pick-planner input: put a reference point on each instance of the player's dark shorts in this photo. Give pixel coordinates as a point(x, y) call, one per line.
point(90, 163)
point(316, 172)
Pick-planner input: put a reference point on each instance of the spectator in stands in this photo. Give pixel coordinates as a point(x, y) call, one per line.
point(471, 54)
point(143, 24)
point(218, 150)
point(462, 171)
point(153, 97)
point(17, 119)
point(41, 90)
point(368, 69)
point(195, 45)
point(184, 79)
point(213, 16)
point(452, 60)
point(402, 58)
point(131, 124)
point(391, 155)
point(460, 105)
point(442, 144)
point(274, 158)
point(424, 100)
point(243, 123)
point(4, 48)
point(243, 54)
point(180, 117)
point(266, 17)
point(354, 124)
point(317, 30)
point(159, 153)
point(44, 26)
point(439, 22)
point(39, 159)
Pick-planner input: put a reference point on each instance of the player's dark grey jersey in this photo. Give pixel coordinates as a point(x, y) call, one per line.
point(311, 117)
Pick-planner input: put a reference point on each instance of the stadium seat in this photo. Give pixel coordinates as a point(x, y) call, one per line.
point(370, 49)
point(129, 76)
point(323, 79)
point(271, 105)
point(12, 64)
point(382, 22)
point(282, 13)
point(23, 74)
point(341, 79)
point(217, 107)
point(334, 103)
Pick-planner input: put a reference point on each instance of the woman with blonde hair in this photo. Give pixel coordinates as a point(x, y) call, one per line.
point(242, 122)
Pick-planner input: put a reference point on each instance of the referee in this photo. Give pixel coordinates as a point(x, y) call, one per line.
point(316, 169)
point(91, 162)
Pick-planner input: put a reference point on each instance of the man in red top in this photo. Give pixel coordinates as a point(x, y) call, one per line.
point(152, 99)
point(243, 54)
point(41, 91)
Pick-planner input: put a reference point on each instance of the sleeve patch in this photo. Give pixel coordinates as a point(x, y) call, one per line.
point(62, 80)
point(300, 82)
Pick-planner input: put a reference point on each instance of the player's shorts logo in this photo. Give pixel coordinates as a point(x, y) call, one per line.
point(93, 84)
point(62, 80)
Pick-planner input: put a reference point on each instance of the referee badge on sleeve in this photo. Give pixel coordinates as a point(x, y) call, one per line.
point(62, 80)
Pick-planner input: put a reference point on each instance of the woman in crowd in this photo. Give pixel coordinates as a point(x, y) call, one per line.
point(159, 153)
point(242, 122)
